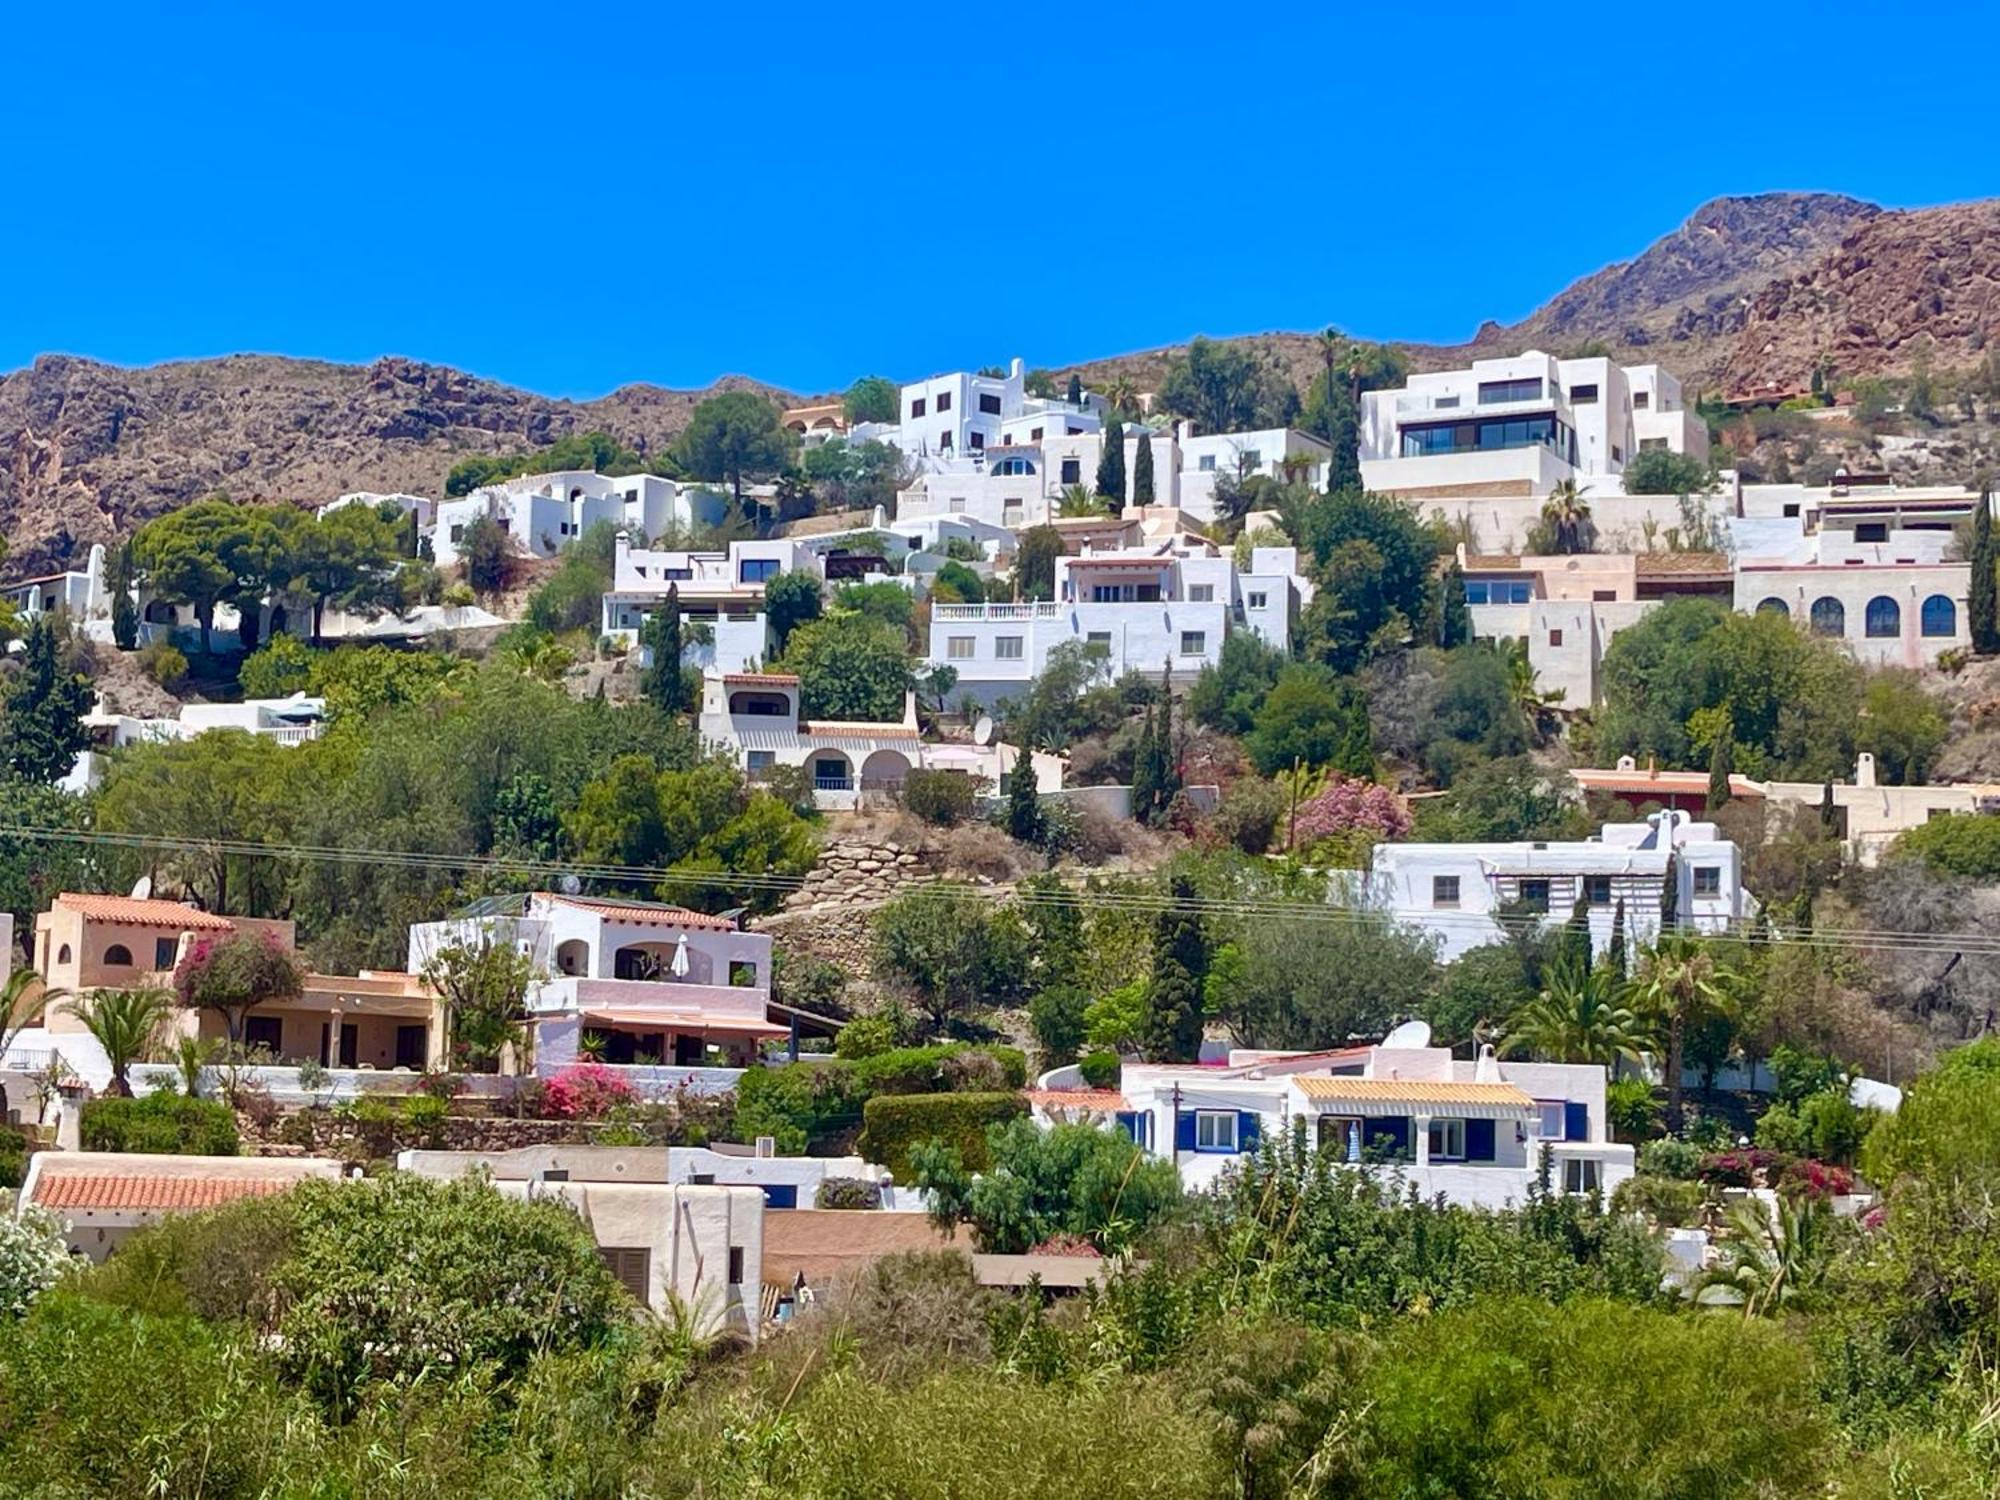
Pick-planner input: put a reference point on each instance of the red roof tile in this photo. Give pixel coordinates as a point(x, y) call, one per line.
point(640, 911)
point(90, 1190)
point(150, 913)
point(1103, 1101)
point(767, 679)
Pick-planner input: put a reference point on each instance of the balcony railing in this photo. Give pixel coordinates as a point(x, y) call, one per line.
point(962, 612)
point(833, 783)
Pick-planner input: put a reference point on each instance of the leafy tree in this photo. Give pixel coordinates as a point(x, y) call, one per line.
point(1142, 471)
point(872, 398)
point(850, 667)
point(1229, 691)
point(34, 870)
point(1057, 1017)
point(489, 555)
point(276, 670)
point(1982, 605)
point(665, 682)
point(1312, 718)
point(1035, 562)
point(123, 1023)
point(1321, 983)
point(209, 553)
point(1173, 1024)
point(1902, 724)
point(1961, 844)
point(236, 973)
point(482, 982)
point(1503, 801)
point(790, 600)
point(955, 583)
point(734, 436)
point(348, 558)
point(527, 824)
point(1075, 396)
point(888, 602)
point(855, 476)
point(1655, 471)
point(948, 946)
point(1721, 765)
point(1111, 465)
point(1682, 984)
point(41, 714)
point(1227, 388)
point(1454, 615)
point(1070, 1180)
point(124, 612)
point(1377, 573)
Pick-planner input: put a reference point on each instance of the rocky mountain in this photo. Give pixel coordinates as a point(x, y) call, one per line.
point(88, 451)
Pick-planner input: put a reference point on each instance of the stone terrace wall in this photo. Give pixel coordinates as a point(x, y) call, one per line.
point(828, 916)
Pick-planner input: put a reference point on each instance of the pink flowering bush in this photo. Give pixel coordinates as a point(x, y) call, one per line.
point(1816, 1179)
point(1352, 812)
point(584, 1091)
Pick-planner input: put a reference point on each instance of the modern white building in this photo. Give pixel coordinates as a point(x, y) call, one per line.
point(284, 721)
point(721, 595)
point(959, 415)
point(82, 595)
point(1476, 1133)
point(672, 997)
point(756, 719)
point(1459, 894)
point(543, 513)
point(1144, 609)
point(1521, 426)
point(1281, 453)
point(424, 508)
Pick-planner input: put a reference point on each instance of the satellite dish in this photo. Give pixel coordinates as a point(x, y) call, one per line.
point(982, 730)
point(568, 884)
point(142, 888)
point(1409, 1034)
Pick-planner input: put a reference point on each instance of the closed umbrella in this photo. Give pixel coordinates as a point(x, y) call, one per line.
point(680, 964)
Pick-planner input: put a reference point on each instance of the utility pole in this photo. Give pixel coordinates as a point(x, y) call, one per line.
point(1176, 1151)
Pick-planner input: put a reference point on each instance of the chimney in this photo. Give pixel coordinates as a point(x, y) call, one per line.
point(1016, 368)
point(767, 1146)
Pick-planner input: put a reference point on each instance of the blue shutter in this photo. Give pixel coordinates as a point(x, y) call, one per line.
point(1479, 1140)
point(1184, 1131)
point(781, 1195)
point(1576, 1121)
point(1127, 1124)
point(1246, 1131)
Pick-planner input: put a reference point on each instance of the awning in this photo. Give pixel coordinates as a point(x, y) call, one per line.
point(668, 1020)
point(1379, 1097)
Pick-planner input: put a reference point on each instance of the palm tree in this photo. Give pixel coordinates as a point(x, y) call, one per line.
point(1774, 1263)
point(1536, 706)
point(1079, 500)
point(1680, 984)
point(1332, 345)
point(543, 658)
point(1566, 515)
point(123, 1021)
point(22, 998)
point(1122, 397)
point(1579, 1018)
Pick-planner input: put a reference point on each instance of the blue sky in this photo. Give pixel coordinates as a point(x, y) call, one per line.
point(575, 197)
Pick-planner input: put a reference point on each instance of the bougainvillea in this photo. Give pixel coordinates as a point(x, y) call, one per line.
point(586, 1091)
point(1349, 808)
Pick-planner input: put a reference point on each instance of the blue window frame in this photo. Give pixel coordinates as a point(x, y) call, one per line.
point(757, 569)
point(1215, 1130)
point(1884, 619)
point(1939, 616)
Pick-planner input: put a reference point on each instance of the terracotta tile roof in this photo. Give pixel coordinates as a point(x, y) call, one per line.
point(150, 913)
point(642, 911)
point(1100, 1101)
point(1681, 783)
point(1396, 1090)
point(134, 1191)
point(766, 679)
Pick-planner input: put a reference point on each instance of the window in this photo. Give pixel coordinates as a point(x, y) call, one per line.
point(458, 533)
point(1493, 392)
point(976, 441)
point(1444, 890)
point(632, 1267)
point(1597, 889)
point(989, 405)
point(1580, 1175)
point(1871, 531)
point(1097, 643)
point(1014, 468)
point(742, 974)
point(1215, 1130)
point(1248, 460)
point(1774, 606)
point(1007, 648)
point(736, 1265)
point(1428, 439)
point(631, 497)
point(1617, 454)
point(1829, 617)
point(756, 569)
point(959, 648)
point(944, 439)
point(1535, 895)
point(1201, 593)
point(1194, 643)
point(917, 407)
point(943, 402)
point(1445, 403)
point(1604, 596)
point(1652, 445)
point(1641, 400)
point(1257, 600)
point(757, 762)
point(956, 504)
point(1011, 513)
point(1555, 638)
point(1583, 395)
point(1034, 434)
point(164, 951)
point(1549, 1120)
point(1072, 471)
point(1939, 616)
point(62, 954)
point(118, 955)
point(1447, 1140)
point(1884, 619)
point(1708, 880)
point(267, 1032)
point(1206, 463)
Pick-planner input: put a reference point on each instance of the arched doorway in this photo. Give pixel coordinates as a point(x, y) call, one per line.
point(885, 771)
point(832, 772)
point(1829, 616)
point(1774, 606)
point(573, 958)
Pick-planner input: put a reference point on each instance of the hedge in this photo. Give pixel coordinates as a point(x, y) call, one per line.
point(848, 1192)
point(13, 1156)
point(818, 1106)
point(896, 1122)
point(164, 1122)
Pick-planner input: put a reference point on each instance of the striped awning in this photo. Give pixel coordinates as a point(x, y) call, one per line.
point(1382, 1096)
point(683, 1021)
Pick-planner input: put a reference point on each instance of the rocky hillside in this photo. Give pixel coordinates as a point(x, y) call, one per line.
point(88, 451)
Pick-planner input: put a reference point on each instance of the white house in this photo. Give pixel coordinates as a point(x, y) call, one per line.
point(720, 593)
point(755, 718)
point(670, 996)
point(545, 512)
point(1521, 426)
point(424, 508)
point(1476, 1132)
point(1167, 606)
point(81, 595)
point(1460, 893)
point(1282, 453)
point(958, 415)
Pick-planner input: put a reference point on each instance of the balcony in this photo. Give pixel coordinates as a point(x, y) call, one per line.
point(717, 1004)
point(962, 613)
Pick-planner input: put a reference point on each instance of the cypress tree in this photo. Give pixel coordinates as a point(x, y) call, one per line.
point(1170, 765)
point(1173, 1022)
point(1981, 602)
point(41, 716)
point(1721, 762)
point(1614, 951)
point(1670, 897)
point(1142, 471)
point(1829, 815)
point(665, 683)
point(1075, 390)
point(1146, 770)
point(1454, 614)
point(1575, 948)
point(124, 613)
point(1111, 466)
point(1024, 804)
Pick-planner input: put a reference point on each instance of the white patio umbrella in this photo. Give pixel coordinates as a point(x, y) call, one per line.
point(680, 963)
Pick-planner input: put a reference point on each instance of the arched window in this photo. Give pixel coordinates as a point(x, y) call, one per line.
point(1940, 616)
point(118, 955)
point(1774, 606)
point(1884, 617)
point(1829, 617)
point(62, 954)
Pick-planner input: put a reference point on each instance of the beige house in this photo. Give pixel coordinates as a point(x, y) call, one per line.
point(106, 1197)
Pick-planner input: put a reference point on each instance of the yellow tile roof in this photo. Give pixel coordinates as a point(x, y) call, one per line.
point(1316, 1086)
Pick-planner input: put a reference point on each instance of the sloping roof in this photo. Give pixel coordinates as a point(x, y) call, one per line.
point(1099, 1101)
point(860, 729)
point(148, 913)
point(1400, 1091)
point(86, 1190)
point(643, 911)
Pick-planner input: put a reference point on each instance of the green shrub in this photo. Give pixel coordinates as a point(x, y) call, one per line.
point(1057, 1015)
point(848, 1192)
point(1630, 1106)
point(1670, 1157)
point(1825, 1126)
point(1100, 1069)
point(1965, 844)
point(1669, 1202)
point(13, 1156)
point(941, 798)
point(893, 1124)
point(875, 1033)
point(281, 668)
point(164, 1122)
point(165, 664)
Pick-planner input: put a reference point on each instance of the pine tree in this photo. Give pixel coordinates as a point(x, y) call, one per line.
point(1111, 466)
point(665, 683)
point(124, 613)
point(1075, 390)
point(1614, 951)
point(41, 718)
point(1982, 603)
point(1173, 1021)
point(1721, 763)
point(1670, 897)
point(1142, 471)
point(1024, 803)
point(1454, 614)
